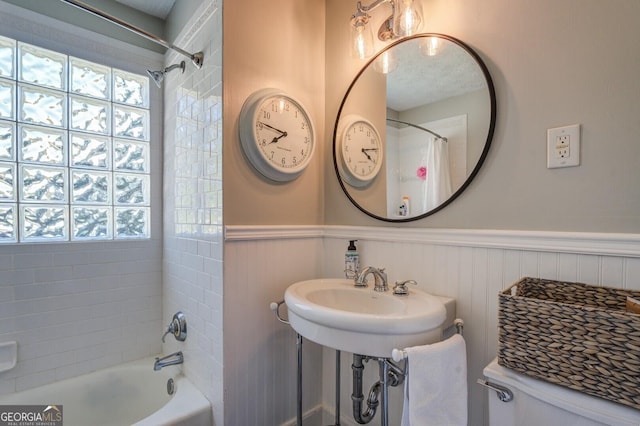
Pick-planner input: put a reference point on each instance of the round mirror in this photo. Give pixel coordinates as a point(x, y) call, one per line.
point(414, 127)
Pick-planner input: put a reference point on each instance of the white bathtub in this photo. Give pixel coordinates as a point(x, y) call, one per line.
point(127, 394)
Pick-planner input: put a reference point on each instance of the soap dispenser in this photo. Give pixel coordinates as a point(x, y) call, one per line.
point(351, 261)
point(405, 205)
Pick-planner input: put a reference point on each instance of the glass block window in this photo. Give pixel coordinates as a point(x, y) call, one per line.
point(74, 148)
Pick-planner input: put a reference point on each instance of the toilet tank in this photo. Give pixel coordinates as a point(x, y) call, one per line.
point(536, 402)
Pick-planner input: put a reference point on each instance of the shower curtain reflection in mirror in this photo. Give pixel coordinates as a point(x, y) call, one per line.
point(425, 168)
point(437, 176)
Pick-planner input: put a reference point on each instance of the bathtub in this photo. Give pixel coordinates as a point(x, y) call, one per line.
point(128, 394)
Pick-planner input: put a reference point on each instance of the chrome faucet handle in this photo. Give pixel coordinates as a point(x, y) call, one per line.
point(358, 281)
point(177, 327)
point(360, 278)
point(169, 331)
point(400, 288)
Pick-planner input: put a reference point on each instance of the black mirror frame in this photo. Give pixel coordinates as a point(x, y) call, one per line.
point(485, 151)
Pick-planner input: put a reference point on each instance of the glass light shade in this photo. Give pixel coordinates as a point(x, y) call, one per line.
point(408, 18)
point(361, 38)
point(430, 46)
point(386, 62)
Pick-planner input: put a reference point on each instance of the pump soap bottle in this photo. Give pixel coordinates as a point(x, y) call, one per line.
point(405, 204)
point(351, 261)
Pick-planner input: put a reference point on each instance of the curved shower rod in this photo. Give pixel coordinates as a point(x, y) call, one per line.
point(418, 127)
point(196, 58)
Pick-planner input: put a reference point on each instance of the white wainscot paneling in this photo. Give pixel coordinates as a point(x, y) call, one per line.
point(471, 266)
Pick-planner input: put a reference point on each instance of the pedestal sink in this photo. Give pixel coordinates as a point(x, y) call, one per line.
point(334, 313)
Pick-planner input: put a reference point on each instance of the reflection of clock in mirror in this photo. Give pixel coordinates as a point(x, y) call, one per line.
point(360, 150)
point(276, 134)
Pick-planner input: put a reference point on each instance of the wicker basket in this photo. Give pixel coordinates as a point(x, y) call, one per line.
point(573, 335)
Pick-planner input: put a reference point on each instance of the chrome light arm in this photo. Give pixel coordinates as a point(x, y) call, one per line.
point(375, 4)
point(387, 30)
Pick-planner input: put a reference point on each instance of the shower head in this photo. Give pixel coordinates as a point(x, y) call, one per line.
point(158, 76)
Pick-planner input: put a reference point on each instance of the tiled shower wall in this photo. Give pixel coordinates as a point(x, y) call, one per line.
point(77, 307)
point(470, 266)
point(192, 269)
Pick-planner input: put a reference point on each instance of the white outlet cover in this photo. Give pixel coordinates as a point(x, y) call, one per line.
point(560, 154)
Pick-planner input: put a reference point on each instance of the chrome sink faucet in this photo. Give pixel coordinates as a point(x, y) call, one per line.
point(171, 359)
point(379, 277)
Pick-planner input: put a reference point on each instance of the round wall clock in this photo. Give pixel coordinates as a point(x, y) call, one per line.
point(276, 134)
point(360, 151)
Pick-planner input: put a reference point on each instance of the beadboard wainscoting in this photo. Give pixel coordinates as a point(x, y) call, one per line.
point(469, 265)
point(259, 351)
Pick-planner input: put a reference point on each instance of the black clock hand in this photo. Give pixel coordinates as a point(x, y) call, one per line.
point(278, 138)
point(273, 128)
point(364, 151)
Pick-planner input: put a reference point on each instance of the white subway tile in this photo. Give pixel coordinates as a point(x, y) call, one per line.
point(91, 352)
point(17, 276)
point(7, 385)
point(34, 260)
point(32, 380)
point(53, 361)
point(6, 262)
point(57, 273)
point(6, 294)
point(65, 257)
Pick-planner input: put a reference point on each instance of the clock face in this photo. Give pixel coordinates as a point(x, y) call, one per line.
point(276, 134)
point(361, 152)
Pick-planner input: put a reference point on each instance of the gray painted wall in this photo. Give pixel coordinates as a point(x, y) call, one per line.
point(553, 64)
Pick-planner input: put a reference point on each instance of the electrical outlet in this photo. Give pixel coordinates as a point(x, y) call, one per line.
point(563, 146)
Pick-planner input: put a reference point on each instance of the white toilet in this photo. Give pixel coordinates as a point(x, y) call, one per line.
point(536, 402)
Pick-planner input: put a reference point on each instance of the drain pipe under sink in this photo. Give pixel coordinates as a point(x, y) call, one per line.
point(357, 396)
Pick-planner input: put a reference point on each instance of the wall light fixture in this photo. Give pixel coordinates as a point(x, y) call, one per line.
point(405, 20)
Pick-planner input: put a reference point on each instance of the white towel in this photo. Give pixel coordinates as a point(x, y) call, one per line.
point(435, 390)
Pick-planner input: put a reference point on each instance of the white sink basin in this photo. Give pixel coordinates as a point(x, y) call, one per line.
point(334, 313)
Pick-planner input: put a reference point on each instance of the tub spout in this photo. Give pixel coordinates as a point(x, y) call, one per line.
point(172, 359)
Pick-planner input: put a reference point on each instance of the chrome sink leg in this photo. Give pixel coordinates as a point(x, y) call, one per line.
point(299, 387)
point(337, 416)
point(384, 421)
